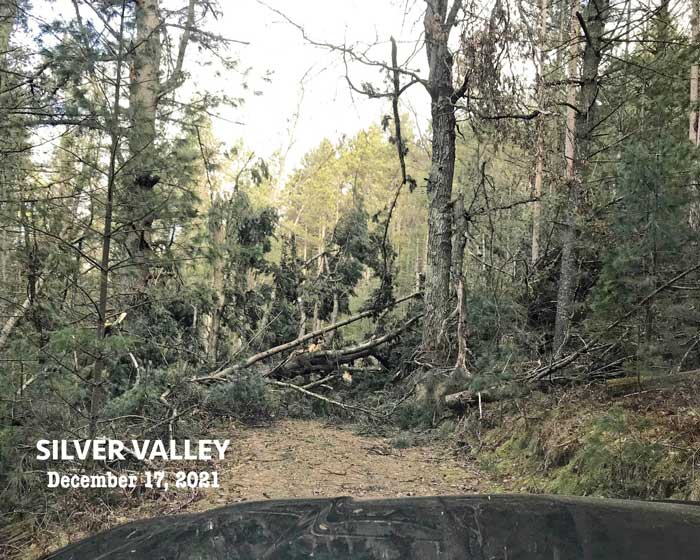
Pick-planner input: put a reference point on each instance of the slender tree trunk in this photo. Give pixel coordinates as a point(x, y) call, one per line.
point(316, 321)
point(459, 241)
point(143, 106)
point(99, 375)
point(438, 23)
point(213, 321)
point(579, 129)
point(7, 21)
point(693, 128)
point(539, 157)
point(694, 112)
point(8, 16)
point(566, 276)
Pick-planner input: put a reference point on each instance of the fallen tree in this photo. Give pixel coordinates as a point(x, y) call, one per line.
point(326, 361)
point(465, 399)
point(347, 355)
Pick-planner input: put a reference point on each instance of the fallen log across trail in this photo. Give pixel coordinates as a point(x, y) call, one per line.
point(323, 359)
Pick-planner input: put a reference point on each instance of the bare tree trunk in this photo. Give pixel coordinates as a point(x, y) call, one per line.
point(694, 114)
point(8, 15)
point(143, 106)
point(694, 129)
point(438, 23)
point(539, 162)
point(99, 375)
point(578, 135)
point(316, 321)
point(459, 241)
point(566, 280)
point(213, 321)
point(328, 339)
point(21, 311)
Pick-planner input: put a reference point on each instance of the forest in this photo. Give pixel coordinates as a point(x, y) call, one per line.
point(502, 269)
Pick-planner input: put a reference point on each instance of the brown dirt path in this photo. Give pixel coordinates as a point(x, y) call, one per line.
point(289, 459)
point(302, 458)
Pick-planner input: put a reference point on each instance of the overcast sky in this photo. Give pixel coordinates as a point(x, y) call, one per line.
point(309, 78)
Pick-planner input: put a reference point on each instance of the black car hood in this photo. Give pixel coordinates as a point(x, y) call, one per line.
point(484, 527)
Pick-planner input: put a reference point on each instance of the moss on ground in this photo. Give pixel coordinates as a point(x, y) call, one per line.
point(588, 442)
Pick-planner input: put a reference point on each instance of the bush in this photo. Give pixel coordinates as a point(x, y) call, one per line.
point(247, 400)
point(615, 461)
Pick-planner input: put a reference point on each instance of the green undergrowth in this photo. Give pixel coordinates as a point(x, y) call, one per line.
point(585, 442)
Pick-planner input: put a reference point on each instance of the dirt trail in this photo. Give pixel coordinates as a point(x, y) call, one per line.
point(291, 458)
point(299, 458)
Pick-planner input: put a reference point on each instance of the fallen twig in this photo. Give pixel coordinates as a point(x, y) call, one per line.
point(324, 399)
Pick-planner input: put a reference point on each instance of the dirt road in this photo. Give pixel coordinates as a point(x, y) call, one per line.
point(291, 458)
point(299, 458)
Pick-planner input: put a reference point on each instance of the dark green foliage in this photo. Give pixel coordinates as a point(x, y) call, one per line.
point(247, 400)
point(614, 461)
point(649, 234)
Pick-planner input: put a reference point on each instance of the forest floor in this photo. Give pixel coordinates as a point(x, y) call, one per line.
point(620, 441)
point(289, 459)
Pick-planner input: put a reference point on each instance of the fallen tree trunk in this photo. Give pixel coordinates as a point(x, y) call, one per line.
point(464, 399)
point(11, 323)
point(326, 361)
point(300, 340)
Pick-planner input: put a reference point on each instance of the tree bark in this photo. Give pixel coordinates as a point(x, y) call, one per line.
point(693, 128)
point(464, 399)
point(325, 361)
point(539, 131)
point(580, 124)
point(694, 114)
point(438, 23)
point(459, 241)
point(143, 106)
point(8, 18)
point(98, 375)
point(212, 321)
point(22, 310)
point(302, 339)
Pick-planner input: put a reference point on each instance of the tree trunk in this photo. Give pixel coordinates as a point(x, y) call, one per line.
point(459, 241)
point(8, 18)
point(539, 161)
point(19, 313)
point(437, 25)
point(143, 105)
point(566, 281)
point(580, 124)
point(694, 129)
point(213, 320)
point(694, 112)
point(99, 375)
point(325, 361)
point(8, 14)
